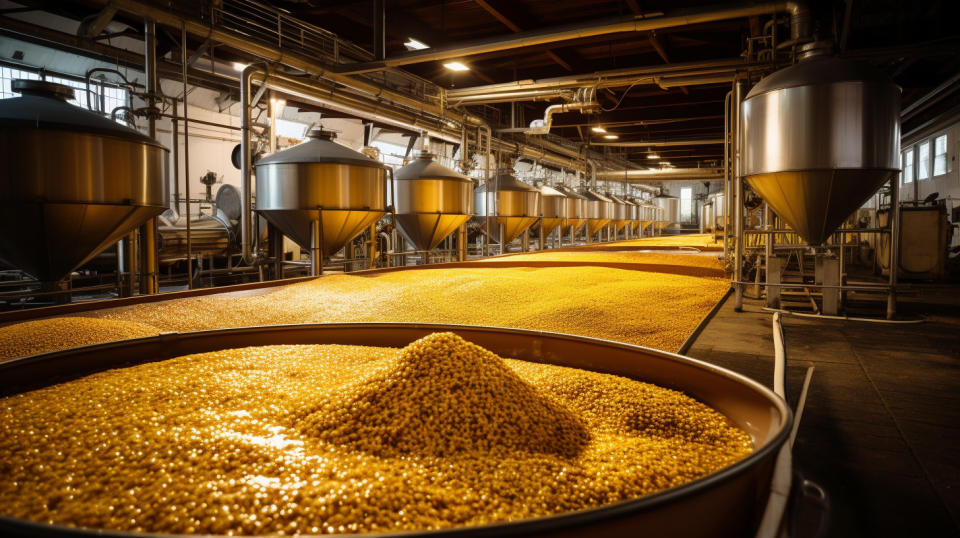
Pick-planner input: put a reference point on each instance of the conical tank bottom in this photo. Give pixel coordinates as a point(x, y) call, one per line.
point(576, 223)
point(339, 225)
point(815, 202)
point(547, 226)
point(427, 230)
point(595, 225)
point(514, 226)
point(49, 240)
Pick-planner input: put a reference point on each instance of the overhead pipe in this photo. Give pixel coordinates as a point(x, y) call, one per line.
point(542, 126)
point(661, 143)
point(664, 174)
point(800, 20)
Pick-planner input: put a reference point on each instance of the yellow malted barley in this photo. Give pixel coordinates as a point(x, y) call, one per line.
point(286, 439)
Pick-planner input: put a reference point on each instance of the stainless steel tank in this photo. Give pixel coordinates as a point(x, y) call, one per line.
point(728, 502)
point(819, 138)
point(432, 201)
point(599, 211)
point(576, 207)
point(210, 235)
point(554, 212)
point(719, 209)
point(295, 186)
point(621, 213)
point(669, 210)
point(72, 183)
point(513, 205)
point(647, 215)
point(633, 214)
point(708, 216)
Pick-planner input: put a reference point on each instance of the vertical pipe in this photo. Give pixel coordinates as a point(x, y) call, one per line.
point(316, 245)
point(462, 242)
point(894, 245)
point(768, 243)
point(148, 232)
point(246, 194)
point(130, 250)
point(272, 113)
point(175, 142)
point(726, 177)
point(373, 246)
point(738, 188)
point(486, 187)
point(186, 154)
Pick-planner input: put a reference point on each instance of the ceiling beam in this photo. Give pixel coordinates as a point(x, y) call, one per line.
point(516, 29)
point(658, 46)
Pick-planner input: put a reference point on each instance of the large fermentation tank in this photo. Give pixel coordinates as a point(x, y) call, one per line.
point(554, 209)
point(819, 138)
point(633, 212)
point(432, 201)
point(621, 213)
point(576, 208)
point(669, 213)
point(72, 183)
point(647, 216)
point(512, 205)
point(719, 210)
point(729, 502)
point(320, 177)
point(600, 211)
point(708, 216)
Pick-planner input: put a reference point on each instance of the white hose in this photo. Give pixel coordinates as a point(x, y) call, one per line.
point(783, 468)
point(844, 318)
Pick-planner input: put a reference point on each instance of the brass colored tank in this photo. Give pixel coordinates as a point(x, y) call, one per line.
point(576, 207)
point(621, 213)
point(72, 183)
point(513, 205)
point(296, 185)
point(554, 209)
point(600, 211)
point(432, 201)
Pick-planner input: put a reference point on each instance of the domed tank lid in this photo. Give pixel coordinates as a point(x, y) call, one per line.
point(550, 191)
point(43, 105)
point(818, 67)
point(570, 193)
point(320, 148)
point(506, 181)
point(425, 167)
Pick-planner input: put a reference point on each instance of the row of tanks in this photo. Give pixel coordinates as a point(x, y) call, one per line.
point(320, 181)
point(109, 179)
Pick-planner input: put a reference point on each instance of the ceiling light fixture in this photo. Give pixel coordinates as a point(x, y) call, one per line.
point(599, 130)
point(611, 137)
point(653, 156)
point(413, 44)
point(456, 66)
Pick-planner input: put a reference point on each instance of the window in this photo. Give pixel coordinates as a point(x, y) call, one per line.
point(940, 155)
point(105, 97)
point(923, 160)
point(686, 202)
point(908, 166)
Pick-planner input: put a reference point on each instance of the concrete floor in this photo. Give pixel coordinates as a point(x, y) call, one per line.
point(881, 428)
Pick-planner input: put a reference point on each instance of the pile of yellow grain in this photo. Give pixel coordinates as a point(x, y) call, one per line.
point(662, 261)
point(648, 308)
point(325, 439)
point(686, 240)
point(52, 334)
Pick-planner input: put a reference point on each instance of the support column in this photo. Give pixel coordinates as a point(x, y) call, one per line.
point(462, 242)
point(775, 265)
point(372, 253)
point(149, 267)
point(739, 90)
point(316, 245)
point(894, 244)
point(828, 267)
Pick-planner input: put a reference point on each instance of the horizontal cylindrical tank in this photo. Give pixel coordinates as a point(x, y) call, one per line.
point(295, 186)
point(432, 201)
point(819, 138)
point(210, 235)
point(72, 182)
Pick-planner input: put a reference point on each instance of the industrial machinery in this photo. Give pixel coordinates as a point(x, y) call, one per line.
point(924, 240)
point(431, 201)
point(73, 183)
point(819, 138)
point(669, 214)
point(633, 210)
point(576, 210)
point(210, 235)
point(600, 212)
point(510, 205)
point(621, 214)
point(555, 210)
point(321, 194)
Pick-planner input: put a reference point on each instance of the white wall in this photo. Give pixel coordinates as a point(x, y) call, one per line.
point(948, 184)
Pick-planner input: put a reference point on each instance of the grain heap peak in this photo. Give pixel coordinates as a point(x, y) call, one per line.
point(444, 396)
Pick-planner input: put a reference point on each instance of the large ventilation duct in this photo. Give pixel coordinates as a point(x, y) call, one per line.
point(432, 201)
point(819, 138)
point(72, 183)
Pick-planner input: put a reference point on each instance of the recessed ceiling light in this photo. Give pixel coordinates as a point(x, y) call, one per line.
point(456, 66)
point(599, 130)
point(653, 156)
point(611, 137)
point(237, 66)
point(413, 44)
